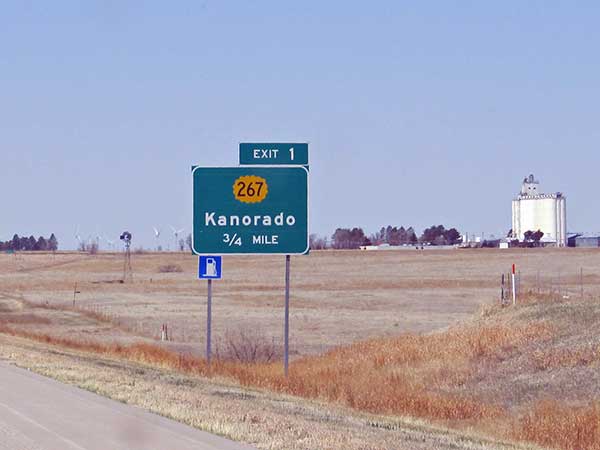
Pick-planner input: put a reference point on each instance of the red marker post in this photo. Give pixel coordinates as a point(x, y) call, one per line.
point(514, 284)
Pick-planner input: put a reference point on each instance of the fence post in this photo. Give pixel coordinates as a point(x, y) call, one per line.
point(514, 285)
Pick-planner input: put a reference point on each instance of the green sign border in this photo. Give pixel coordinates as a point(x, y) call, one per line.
point(288, 166)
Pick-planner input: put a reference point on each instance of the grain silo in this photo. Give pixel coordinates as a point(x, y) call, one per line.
point(533, 211)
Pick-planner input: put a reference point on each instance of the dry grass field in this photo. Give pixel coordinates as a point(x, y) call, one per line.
point(391, 334)
point(337, 297)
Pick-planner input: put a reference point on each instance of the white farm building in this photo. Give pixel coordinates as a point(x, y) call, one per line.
point(533, 211)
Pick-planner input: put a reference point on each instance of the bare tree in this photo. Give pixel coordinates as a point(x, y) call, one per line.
point(246, 345)
point(317, 242)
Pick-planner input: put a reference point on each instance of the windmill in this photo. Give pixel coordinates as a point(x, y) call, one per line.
point(127, 272)
point(157, 236)
point(176, 233)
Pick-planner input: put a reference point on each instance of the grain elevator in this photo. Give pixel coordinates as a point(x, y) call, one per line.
point(532, 211)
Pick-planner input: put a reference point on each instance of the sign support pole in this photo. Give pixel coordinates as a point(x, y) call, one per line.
point(208, 320)
point(287, 316)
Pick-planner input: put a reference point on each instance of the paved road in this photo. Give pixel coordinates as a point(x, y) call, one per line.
point(37, 413)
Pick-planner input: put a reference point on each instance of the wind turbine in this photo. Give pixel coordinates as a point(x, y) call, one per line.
point(157, 236)
point(78, 237)
point(176, 234)
point(111, 244)
point(98, 239)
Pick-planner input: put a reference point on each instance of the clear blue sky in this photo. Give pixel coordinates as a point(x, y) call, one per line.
point(417, 113)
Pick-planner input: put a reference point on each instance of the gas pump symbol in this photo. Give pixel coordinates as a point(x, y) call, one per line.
point(211, 267)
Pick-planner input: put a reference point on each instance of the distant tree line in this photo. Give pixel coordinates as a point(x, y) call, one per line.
point(530, 239)
point(353, 238)
point(394, 236)
point(438, 235)
point(30, 244)
point(346, 238)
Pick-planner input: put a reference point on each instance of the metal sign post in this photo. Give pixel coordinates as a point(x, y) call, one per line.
point(286, 330)
point(208, 321)
point(209, 268)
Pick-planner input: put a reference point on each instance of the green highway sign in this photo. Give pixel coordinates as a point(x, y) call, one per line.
point(250, 210)
point(274, 154)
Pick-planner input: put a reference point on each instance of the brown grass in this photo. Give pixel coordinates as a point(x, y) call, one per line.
point(559, 426)
point(90, 312)
point(141, 352)
point(24, 318)
point(566, 357)
point(391, 376)
point(465, 375)
point(403, 291)
point(170, 268)
point(532, 297)
point(263, 419)
point(406, 375)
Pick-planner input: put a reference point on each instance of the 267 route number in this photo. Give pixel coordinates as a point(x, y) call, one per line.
point(250, 189)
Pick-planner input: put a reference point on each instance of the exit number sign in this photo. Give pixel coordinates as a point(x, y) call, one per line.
point(274, 153)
